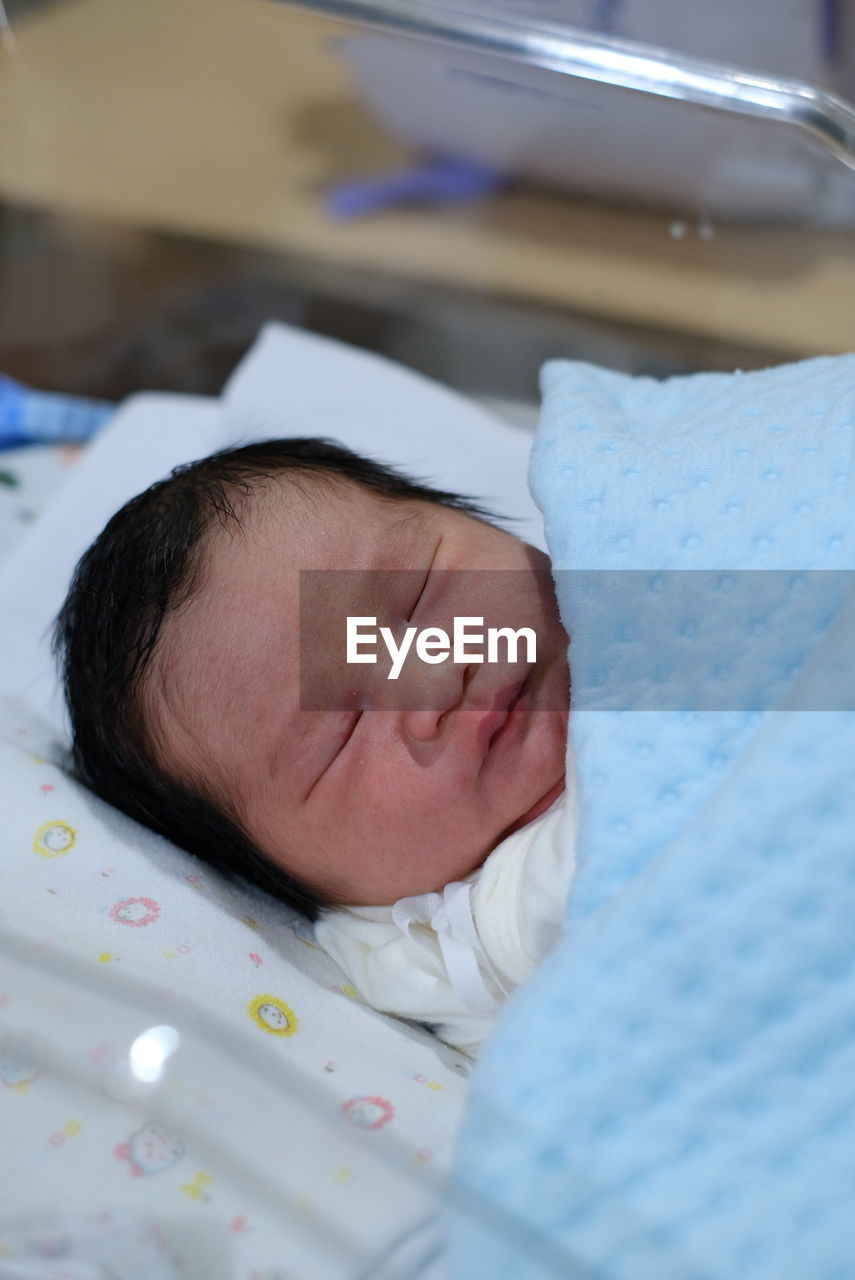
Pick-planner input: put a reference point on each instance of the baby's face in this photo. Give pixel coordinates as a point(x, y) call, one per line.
point(396, 794)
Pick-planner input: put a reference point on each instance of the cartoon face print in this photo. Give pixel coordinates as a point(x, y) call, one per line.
point(22, 1059)
point(152, 1149)
point(274, 1018)
point(368, 1113)
point(53, 839)
point(135, 911)
point(273, 1015)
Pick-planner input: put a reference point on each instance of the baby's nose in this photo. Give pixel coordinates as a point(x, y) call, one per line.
point(430, 697)
point(422, 726)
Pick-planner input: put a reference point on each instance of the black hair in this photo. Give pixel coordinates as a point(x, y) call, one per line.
point(145, 564)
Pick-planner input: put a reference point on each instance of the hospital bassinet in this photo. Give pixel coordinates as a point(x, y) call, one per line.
point(649, 187)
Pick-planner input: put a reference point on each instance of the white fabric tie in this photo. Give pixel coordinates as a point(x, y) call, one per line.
point(450, 916)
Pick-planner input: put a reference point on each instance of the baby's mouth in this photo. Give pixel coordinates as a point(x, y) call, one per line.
point(500, 719)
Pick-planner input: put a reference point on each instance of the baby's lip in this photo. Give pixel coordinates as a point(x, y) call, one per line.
point(495, 718)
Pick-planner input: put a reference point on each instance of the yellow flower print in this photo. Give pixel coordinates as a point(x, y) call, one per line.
point(273, 1015)
point(53, 839)
point(196, 1189)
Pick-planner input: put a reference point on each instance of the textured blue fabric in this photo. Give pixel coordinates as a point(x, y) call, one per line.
point(672, 1096)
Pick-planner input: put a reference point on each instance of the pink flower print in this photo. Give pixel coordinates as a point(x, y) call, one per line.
point(135, 911)
point(256, 959)
point(368, 1113)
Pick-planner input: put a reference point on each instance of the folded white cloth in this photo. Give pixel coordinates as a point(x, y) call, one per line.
point(450, 959)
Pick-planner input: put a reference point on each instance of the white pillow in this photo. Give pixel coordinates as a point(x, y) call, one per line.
point(290, 383)
point(295, 383)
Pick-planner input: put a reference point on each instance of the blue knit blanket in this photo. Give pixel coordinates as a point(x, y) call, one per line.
point(672, 1096)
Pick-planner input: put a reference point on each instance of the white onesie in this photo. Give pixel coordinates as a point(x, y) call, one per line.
point(450, 959)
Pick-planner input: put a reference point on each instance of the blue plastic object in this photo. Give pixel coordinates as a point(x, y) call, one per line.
point(44, 417)
point(442, 181)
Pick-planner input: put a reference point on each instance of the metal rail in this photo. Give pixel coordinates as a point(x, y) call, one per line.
point(828, 119)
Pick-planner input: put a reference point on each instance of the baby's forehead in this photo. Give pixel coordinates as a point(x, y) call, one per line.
point(315, 495)
point(252, 565)
point(313, 511)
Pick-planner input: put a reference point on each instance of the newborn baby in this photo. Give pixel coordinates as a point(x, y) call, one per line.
point(182, 640)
